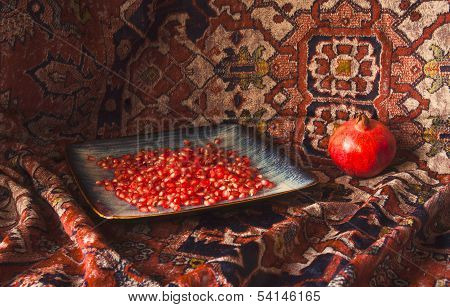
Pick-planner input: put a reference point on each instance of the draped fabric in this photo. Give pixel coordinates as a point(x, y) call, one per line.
point(80, 70)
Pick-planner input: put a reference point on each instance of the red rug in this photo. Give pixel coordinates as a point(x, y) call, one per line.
point(90, 69)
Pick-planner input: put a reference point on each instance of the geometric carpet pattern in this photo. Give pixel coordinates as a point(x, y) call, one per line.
point(86, 70)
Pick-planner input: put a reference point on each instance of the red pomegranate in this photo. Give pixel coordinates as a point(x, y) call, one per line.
point(362, 147)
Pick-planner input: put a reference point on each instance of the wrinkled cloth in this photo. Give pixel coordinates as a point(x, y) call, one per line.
point(101, 69)
point(296, 240)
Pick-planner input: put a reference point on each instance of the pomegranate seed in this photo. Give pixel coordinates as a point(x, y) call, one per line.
point(182, 177)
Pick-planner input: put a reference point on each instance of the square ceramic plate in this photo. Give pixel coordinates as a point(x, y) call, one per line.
point(263, 154)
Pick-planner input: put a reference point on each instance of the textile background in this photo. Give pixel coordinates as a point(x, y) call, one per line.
point(74, 70)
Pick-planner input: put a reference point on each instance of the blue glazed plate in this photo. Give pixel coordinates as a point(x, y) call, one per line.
point(264, 155)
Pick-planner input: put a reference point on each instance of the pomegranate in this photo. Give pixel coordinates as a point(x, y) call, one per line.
point(362, 147)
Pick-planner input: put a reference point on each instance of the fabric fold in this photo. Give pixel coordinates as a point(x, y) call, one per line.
point(102, 265)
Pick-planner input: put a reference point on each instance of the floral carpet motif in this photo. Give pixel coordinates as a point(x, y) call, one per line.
point(78, 70)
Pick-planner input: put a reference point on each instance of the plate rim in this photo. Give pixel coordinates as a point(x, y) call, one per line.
point(177, 213)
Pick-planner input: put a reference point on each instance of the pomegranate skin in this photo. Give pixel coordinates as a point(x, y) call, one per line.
point(362, 147)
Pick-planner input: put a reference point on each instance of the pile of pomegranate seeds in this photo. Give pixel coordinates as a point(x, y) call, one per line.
point(183, 177)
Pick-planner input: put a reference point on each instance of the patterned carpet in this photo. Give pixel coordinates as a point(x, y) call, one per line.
point(82, 69)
